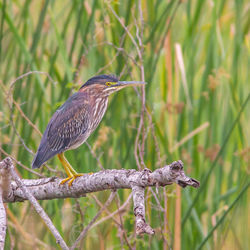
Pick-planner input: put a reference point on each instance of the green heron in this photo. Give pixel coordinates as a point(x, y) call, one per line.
point(76, 119)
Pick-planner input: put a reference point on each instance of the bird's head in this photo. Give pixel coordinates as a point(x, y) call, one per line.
point(107, 84)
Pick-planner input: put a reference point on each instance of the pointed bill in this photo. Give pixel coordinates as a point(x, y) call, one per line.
point(129, 83)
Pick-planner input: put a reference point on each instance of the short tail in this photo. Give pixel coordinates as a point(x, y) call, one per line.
point(43, 154)
point(37, 162)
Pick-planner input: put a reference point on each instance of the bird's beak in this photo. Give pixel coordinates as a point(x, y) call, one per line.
point(122, 84)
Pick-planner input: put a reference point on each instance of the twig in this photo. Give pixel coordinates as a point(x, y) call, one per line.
point(7, 163)
point(125, 28)
point(20, 164)
point(141, 127)
point(26, 118)
point(85, 230)
point(8, 99)
point(119, 50)
point(166, 230)
point(106, 209)
point(157, 147)
point(111, 215)
point(160, 208)
point(29, 73)
point(95, 156)
point(121, 229)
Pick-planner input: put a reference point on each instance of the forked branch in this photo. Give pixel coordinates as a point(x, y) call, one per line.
point(137, 181)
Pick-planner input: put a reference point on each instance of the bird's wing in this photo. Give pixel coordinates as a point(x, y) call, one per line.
point(67, 124)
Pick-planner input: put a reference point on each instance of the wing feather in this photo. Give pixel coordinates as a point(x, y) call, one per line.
point(67, 127)
point(68, 123)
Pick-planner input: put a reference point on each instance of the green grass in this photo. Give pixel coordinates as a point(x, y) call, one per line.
point(72, 41)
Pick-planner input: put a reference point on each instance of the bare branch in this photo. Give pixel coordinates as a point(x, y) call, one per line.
point(5, 179)
point(7, 163)
point(50, 188)
point(139, 211)
point(4, 191)
point(3, 224)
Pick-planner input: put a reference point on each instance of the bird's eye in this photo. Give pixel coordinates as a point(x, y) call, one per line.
point(109, 83)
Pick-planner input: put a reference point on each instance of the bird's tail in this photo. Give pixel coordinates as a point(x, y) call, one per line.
point(43, 154)
point(37, 161)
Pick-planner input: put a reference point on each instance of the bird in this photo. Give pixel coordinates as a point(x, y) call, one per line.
point(75, 120)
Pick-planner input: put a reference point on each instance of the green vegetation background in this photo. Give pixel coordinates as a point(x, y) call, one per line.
point(199, 97)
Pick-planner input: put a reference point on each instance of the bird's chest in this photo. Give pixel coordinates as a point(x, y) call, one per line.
point(97, 112)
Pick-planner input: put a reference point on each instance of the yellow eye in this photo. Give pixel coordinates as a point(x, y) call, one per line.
point(109, 83)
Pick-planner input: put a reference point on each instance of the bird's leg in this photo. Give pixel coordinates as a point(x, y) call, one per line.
point(72, 174)
point(65, 164)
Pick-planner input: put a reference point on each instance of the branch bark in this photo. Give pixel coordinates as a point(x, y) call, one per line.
point(49, 188)
point(3, 223)
point(4, 190)
point(8, 167)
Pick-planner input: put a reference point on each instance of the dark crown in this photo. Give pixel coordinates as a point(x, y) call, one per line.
point(101, 79)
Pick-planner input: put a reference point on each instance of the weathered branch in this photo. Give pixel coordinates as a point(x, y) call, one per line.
point(139, 211)
point(8, 167)
point(50, 188)
point(4, 190)
point(3, 223)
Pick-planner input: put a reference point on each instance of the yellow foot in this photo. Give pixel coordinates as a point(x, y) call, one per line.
point(65, 180)
point(71, 179)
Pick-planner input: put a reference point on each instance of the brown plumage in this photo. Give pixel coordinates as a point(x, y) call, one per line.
point(76, 119)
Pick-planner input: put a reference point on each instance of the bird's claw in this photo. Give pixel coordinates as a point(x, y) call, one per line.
point(70, 179)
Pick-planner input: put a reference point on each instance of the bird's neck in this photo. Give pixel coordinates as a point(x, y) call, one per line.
point(98, 110)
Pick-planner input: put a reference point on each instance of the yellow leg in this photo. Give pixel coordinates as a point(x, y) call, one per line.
point(72, 174)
